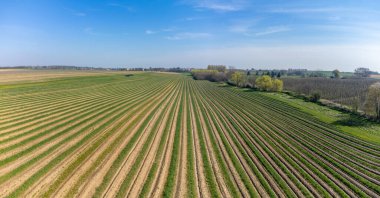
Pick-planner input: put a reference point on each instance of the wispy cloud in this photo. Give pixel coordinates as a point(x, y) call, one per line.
point(243, 26)
point(251, 28)
point(76, 12)
point(306, 10)
point(192, 18)
point(273, 30)
point(219, 5)
point(189, 35)
point(344, 57)
point(82, 14)
point(90, 31)
point(123, 6)
point(170, 29)
point(364, 30)
point(150, 32)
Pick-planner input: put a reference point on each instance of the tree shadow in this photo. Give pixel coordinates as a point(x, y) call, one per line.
point(128, 75)
point(352, 120)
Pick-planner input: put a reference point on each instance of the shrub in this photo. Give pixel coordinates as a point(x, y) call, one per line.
point(264, 83)
point(277, 85)
point(315, 97)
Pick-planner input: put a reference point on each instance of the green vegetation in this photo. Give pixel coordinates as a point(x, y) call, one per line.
point(347, 123)
point(168, 135)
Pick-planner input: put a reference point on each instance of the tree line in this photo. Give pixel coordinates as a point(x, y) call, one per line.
point(358, 92)
point(239, 78)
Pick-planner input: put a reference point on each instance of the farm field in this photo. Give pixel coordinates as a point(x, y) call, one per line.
point(167, 135)
point(10, 76)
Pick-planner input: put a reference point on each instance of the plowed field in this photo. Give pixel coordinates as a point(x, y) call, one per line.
point(165, 135)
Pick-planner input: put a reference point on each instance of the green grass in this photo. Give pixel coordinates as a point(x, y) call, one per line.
point(367, 131)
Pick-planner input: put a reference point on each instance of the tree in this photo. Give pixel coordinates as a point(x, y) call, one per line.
point(272, 74)
point(356, 104)
point(251, 81)
point(278, 85)
point(315, 97)
point(279, 75)
point(362, 72)
point(372, 104)
point(219, 68)
point(238, 78)
point(264, 83)
point(336, 73)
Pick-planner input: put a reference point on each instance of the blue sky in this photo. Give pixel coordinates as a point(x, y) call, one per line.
point(319, 34)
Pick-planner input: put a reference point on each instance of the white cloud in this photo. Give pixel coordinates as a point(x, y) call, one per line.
point(247, 28)
point(192, 18)
point(243, 26)
point(171, 29)
point(150, 32)
point(306, 10)
point(189, 35)
point(90, 31)
point(219, 5)
point(123, 6)
point(273, 30)
point(82, 14)
point(75, 12)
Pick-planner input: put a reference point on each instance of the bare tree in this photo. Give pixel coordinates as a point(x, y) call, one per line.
point(373, 100)
point(362, 72)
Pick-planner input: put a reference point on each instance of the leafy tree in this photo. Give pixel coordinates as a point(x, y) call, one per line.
point(372, 105)
point(315, 97)
point(279, 75)
point(336, 73)
point(278, 85)
point(238, 78)
point(264, 83)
